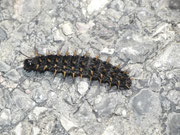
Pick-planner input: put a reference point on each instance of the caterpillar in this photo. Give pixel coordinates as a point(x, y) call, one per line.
point(82, 66)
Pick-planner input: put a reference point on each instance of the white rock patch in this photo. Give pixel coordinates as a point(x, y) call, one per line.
point(107, 51)
point(39, 110)
point(67, 124)
point(96, 5)
point(18, 129)
point(83, 27)
point(67, 28)
point(36, 130)
point(82, 87)
point(58, 36)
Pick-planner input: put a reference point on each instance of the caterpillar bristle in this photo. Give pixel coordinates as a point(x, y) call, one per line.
point(90, 78)
point(118, 66)
point(49, 60)
point(64, 73)
point(100, 81)
point(67, 53)
point(55, 66)
point(101, 76)
point(47, 52)
point(36, 51)
point(45, 67)
point(97, 57)
point(87, 54)
point(75, 53)
point(73, 75)
point(37, 66)
point(118, 85)
point(40, 60)
point(56, 60)
point(92, 73)
point(58, 52)
point(55, 72)
point(108, 60)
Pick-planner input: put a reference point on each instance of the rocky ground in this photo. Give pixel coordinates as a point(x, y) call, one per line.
point(142, 35)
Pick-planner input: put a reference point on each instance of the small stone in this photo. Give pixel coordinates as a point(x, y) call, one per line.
point(124, 113)
point(78, 132)
point(174, 124)
point(5, 114)
point(36, 130)
point(22, 100)
point(174, 4)
point(58, 36)
point(173, 96)
point(27, 91)
point(109, 131)
point(1, 79)
point(18, 129)
point(169, 57)
point(5, 117)
point(107, 51)
point(105, 106)
point(39, 95)
point(3, 35)
point(26, 10)
point(67, 29)
point(96, 5)
point(39, 110)
point(83, 28)
point(146, 102)
point(67, 123)
point(177, 85)
point(82, 87)
point(4, 67)
point(13, 75)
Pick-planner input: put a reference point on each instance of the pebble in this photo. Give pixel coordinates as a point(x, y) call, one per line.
point(96, 5)
point(82, 87)
point(83, 27)
point(3, 34)
point(58, 36)
point(39, 110)
point(5, 114)
point(124, 113)
point(109, 131)
point(18, 129)
point(13, 75)
point(67, 123)
point(36, 131)
point(107, 51)
point(4, 67)
point(39, 95)
point(67, 29)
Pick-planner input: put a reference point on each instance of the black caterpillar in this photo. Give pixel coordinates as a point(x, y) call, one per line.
point(83, 66)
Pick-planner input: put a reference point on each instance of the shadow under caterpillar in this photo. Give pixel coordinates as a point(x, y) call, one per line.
point(83, 66)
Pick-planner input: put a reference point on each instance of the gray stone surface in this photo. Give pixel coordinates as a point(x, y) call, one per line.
point(4, 67)
point(3, 35)
point(143, 36)
point(174, 124)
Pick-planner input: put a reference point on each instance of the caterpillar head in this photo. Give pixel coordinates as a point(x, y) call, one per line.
point(29, 65)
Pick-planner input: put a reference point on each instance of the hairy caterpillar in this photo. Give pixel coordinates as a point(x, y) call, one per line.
point(83, 66)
